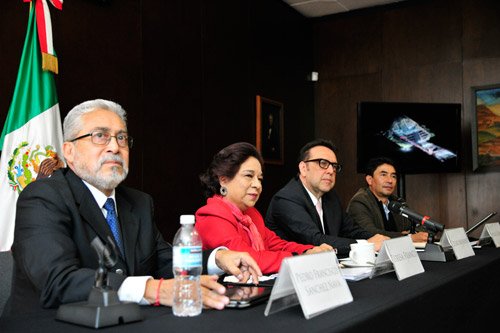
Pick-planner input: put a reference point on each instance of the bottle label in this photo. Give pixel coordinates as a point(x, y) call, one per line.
point(187, 256)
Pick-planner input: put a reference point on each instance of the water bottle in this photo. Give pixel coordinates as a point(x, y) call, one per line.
point(187, 269)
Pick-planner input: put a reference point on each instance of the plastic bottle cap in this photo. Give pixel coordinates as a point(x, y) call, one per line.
point(187, 219)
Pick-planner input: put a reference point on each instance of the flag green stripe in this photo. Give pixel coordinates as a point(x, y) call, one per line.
point(35, 89)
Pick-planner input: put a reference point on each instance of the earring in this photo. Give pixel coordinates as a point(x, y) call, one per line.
point(223, 191)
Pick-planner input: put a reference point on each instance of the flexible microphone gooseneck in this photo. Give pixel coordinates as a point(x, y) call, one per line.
point(399, 208)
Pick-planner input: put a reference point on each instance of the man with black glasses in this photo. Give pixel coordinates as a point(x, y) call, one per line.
point(307, 210)
point(58, 217)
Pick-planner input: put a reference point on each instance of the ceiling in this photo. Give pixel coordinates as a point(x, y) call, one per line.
point(318, 8)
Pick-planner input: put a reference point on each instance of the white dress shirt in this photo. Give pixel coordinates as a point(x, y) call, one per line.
point(133, 287)
point(319, 207)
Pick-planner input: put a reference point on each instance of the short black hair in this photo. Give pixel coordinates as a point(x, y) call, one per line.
point(375, 162)
point(304, 151)
point(226, 163)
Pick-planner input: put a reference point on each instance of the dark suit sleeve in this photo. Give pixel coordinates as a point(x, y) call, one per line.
point(341, 224)
point(297, 224)
point(364, 216)
point(44, 251)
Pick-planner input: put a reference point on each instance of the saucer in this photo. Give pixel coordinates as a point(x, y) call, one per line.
point(350, 263)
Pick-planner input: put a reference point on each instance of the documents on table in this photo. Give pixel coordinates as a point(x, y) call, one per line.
point(356, 273)
point(419, 245)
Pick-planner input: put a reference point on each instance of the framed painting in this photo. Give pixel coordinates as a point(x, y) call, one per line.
point(269, 130)
point(486, 127)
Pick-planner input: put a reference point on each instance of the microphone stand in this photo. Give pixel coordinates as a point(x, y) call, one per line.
point(435, 252)
point(103, 307)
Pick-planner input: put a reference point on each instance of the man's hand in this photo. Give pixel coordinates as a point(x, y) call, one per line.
point(211, 291)
point(317, 249)
point(378, 239)
point(239, 264)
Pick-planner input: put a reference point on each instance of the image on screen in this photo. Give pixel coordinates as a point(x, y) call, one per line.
point(420, 137)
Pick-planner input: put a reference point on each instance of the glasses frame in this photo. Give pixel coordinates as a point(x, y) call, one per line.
point(130, 140)
point(336, 166)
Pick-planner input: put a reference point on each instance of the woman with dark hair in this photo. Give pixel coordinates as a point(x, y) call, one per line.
point(232, 184)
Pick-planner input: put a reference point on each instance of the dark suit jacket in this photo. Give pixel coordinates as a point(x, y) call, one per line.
point(365, 212)
point(292, 216)
point(56, 220)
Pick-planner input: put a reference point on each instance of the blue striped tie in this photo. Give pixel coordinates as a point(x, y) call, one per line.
point(112, 220)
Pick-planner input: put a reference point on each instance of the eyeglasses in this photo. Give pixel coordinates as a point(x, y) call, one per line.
point(324, 164)
point(104, 138)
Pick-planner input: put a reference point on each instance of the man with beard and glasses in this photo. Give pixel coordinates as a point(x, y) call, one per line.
point(58, 217)
point(307, 210)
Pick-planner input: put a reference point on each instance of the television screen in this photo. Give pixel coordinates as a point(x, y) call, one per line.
point(420, 137)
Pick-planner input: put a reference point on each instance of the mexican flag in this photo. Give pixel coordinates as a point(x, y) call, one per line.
point(31, 139)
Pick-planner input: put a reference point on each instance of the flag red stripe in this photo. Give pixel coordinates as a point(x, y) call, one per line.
point(40, 23)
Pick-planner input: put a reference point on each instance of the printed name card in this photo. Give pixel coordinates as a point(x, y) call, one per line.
point(492, 230)
point(398, 254)
point(457, 239)
point(314, 281)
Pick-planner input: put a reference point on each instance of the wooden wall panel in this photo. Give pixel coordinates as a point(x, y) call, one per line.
point(11, 48)
point(420, 60)
point(187, 72)
point(416, 34)
point(481, 29)
point(172, 136)
point(483, 193)
point(342, 44)
point(336, 119)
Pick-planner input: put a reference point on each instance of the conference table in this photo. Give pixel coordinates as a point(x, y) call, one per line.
point(455, 296)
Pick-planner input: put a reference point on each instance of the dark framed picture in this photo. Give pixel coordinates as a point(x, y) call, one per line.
point(486, 127)
point(269, 125)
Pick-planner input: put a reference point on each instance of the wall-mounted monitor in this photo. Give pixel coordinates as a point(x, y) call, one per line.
point(420, 137)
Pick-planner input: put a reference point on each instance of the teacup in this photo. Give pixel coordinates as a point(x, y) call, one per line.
point(362, 253)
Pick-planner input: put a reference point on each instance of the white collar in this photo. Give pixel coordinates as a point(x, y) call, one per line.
point(99, 197)
point(313, 197)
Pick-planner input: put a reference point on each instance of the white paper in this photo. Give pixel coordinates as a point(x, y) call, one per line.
point(356, 273)
point(459, 242)
point(398, 254)
point(315, 279)
point(492, 230)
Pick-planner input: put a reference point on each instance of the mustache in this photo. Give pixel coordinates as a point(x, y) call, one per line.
point(110, 158)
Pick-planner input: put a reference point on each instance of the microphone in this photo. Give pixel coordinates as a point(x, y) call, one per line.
point(399, 208)
point(103, 307)
point(398, 199)
point(107, 259)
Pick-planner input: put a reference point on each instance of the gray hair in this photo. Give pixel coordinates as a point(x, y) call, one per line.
point(73, 123)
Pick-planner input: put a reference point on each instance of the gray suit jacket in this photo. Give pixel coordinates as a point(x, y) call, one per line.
point(56, 220)
point(366, 213)
point(292, 216)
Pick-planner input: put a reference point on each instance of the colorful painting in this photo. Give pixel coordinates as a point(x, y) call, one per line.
point(488, 127)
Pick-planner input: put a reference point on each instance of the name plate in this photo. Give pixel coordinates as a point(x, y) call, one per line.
point(457, 239)
point(398, 254)
point(314, 281)
point(492, 230)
